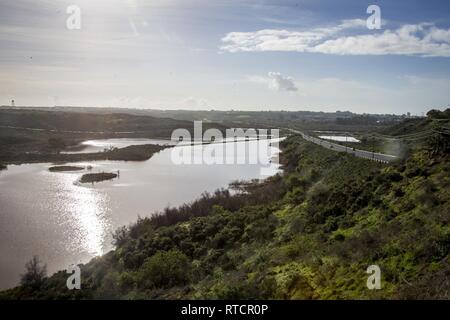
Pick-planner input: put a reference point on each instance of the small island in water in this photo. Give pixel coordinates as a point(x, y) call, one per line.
point(97, 177)
point(65, 168)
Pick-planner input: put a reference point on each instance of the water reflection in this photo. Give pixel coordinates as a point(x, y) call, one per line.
point(100, 145)
point(46, 214)
point(87, 208)
point(83, 213)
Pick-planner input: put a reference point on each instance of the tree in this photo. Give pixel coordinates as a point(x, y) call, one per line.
point(437, 114)
point(35, 273)
point(120, 236)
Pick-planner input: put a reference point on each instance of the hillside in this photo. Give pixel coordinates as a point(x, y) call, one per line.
point(302, 120)
point(84, 122)
point(310, 234)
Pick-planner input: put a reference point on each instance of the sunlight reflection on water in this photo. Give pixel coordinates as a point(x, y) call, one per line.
point(63, 222)
point(87, 209)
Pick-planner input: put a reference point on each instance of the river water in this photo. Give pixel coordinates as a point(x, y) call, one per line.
point(51, 215)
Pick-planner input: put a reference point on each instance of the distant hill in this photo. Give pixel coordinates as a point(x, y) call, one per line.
point(89, 122)
point(306, 120)
point(32, 131)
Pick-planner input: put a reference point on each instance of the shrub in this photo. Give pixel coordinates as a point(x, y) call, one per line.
point(164, 270)
point(35, 273)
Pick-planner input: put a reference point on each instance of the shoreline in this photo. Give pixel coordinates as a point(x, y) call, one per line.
point(97, 177)
point(247, 183)
point(65, 168)
point(129, 153)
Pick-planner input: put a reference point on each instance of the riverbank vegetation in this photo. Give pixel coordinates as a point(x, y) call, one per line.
point(309, 234)
point(130, 153)
point(31, 135)
point(64, 168)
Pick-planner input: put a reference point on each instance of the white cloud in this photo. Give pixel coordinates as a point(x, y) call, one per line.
point(281, 83)
point(276, 81)
point(408, 93)
point(424, 39)
point(283, 40)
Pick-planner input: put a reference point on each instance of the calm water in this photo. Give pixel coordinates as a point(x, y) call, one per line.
point(50, 215)
point(90, 146)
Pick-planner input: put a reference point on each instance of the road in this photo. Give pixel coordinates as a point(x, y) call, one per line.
point(380, 157)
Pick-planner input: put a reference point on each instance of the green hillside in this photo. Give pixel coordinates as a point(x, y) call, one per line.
point(310, 234)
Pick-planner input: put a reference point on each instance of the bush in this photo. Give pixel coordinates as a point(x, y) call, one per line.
point(165, 270)
point(35, 273)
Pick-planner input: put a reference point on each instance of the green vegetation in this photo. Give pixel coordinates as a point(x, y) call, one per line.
point(133, 153)
point(309, 234)
point(30, 135)
point(56, 144)
point(130, 153)
point(75, 122)
point(97, 177)
point(301, 120)
point(64, 168)
point(399, 138)
point(439, 115)
point(35, 274)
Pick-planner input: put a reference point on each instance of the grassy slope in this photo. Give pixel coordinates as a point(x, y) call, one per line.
point(335, 215)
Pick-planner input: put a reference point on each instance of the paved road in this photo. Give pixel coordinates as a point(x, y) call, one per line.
point(380, 157)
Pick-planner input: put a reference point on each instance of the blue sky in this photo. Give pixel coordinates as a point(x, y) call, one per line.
point(218, 54)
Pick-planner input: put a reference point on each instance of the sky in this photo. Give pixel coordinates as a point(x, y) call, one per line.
point(317, 55)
